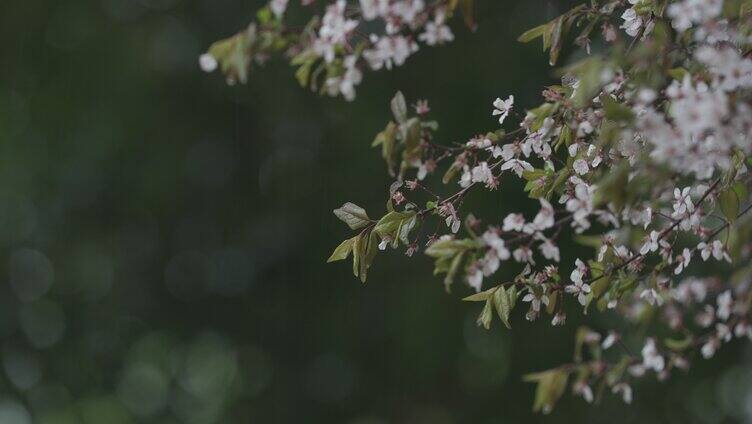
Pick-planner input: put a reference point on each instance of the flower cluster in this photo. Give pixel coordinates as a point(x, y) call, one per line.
point(332, 51)
point(641, 152)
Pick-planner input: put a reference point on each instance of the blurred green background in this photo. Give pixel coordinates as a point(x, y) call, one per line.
point(164, 236)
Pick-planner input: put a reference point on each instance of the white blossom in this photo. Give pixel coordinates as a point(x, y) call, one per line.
point(559, 319)
point(475, 279)
point(334, 30)
point(651, 359)
point(685, 13)
point(482, 174)
point(549, 250)
point(651, 243)
point(609, 340)
point(517, 165)
point(584, 390)
point(536, 300)
point(725, 302)
point(625, 390)
point(278, 7)
point(523, 254)
point(652, 297)
point(514, 222)
point(581, 166)
point(436, 31)
point(683, 261)
point(716, 249)
point(708, 349)
point(578, 288)
point(502, 108)
point(496, 253)
point(389, 51)
point(545, 217)
point(207, 62)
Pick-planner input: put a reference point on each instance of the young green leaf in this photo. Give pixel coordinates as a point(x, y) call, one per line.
point(468, 13)
point(453, 268)
point(480, 296)
point(616, 111)
point(356, 251)
point(533, 33)
point(486, 315)
point(449, 248)
point(678, 344)
point(353, 215)
point(387, 139)
point(342, 251)
point(551, 385)
point(390, 223)
point(368, 249)
point(504, 300)
point(556, 40)
point(729, 203)
point(399, 108)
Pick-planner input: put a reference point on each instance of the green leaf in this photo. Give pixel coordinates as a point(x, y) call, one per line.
point(552, 299)
point(565, 138)
point(449, 248)
point(387, 139)
point(660, 7)
point(368, 253)
point(264, 15)
point(364, 248)
point(451, 173)
point(411, 135)
point(589, 240)
point(504, 300)
point(533, 175)
point(356, 251)
point(551, 386)
point(353, 215)
point(616, 111)
point(486, 315)
point(453, 268)
point(553, 33)
point(745, 8)
point(615, 374)
point(613, 187)
point(558, 183)
point(342, 251)
point(579, 342)
point(556, 40)
point(741, 191)
point(600, 286)
point(677, 73)
point(234, 55)
point(533, 33)
point(390, 223)
point(467, 7)
point(303, 74)
point(729, 201)
point(678, 344)
point(407, 225)
point(481, 296)
point(399, 107)
point(589, 72)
